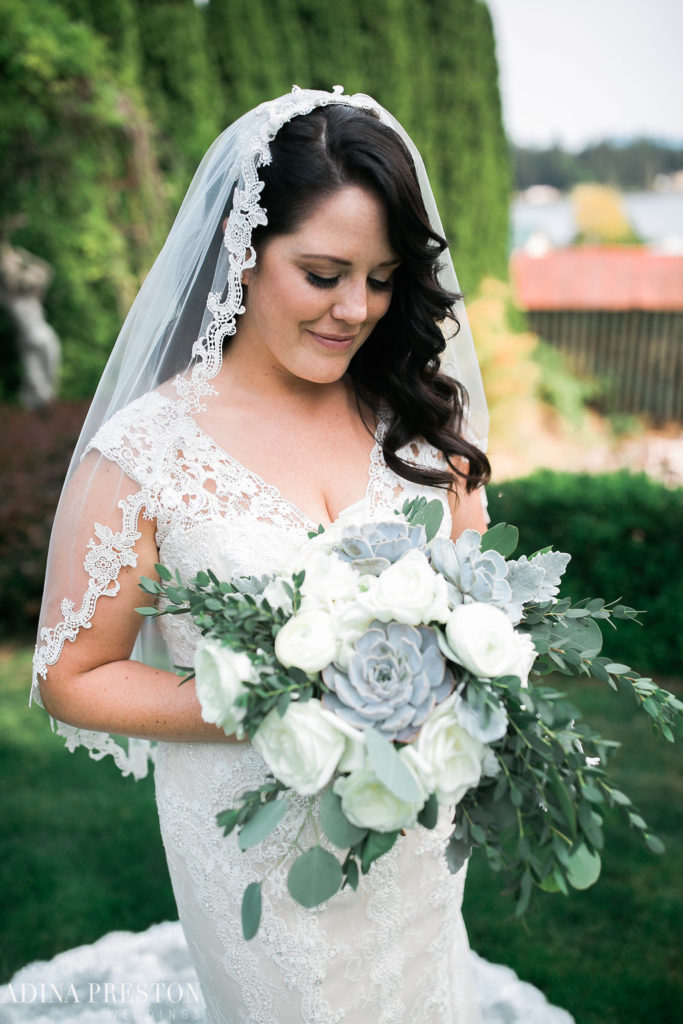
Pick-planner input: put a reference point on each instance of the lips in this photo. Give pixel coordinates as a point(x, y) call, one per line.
point(334, 340)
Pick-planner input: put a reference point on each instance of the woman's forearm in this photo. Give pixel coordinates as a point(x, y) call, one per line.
point(131, 699)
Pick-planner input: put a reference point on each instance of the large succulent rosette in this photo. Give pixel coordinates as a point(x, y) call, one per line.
point(394, 678)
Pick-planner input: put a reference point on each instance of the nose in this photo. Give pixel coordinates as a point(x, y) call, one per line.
point(351, 305)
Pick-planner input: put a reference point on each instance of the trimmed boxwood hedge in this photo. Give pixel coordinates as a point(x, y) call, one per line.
point(623, 532)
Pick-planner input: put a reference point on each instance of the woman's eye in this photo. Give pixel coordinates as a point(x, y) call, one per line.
point(381, 286)
point(321, 282)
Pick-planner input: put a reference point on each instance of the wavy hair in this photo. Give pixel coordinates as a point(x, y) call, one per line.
point(313, 156)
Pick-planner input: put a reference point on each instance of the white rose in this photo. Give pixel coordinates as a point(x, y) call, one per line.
point(454, 757)
point(329, 581)
point(303, 748)
point(409, 591)
point(482, 639)
point(367, 803)
point(220, 674)
point(307, 641)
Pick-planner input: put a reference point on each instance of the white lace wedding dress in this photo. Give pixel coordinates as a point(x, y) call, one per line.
point(394, 951)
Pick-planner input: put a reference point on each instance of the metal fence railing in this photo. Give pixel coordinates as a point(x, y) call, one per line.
point(637, 354)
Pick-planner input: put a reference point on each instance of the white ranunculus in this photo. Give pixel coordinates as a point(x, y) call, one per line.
point(302, 748)
point(368, 803)
point(220, 674)
point(307, 641)
point(454, 757)
point(409, 591)
point(526, 656)
point(482, 639)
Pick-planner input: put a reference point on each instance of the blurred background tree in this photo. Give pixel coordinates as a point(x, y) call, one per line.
point(600, 216)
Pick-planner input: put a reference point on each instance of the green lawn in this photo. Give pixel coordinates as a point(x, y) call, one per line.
point(81, 855)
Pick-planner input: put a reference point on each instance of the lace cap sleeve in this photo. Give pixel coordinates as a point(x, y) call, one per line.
point(93, 538)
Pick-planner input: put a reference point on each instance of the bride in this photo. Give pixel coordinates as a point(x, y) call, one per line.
point(326, 377)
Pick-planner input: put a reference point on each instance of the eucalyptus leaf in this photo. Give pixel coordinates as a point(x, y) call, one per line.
point(591, 824)
point(314, 877)
point(549, 884)
point(251, 910)
point(583, 867)
point(429, 814)
point(564, 799)
point(391, 771)
point(457, 852)
point(352, 875)
point(228, 819)
point(376, 844)
point(336, 825)
point(430, 516)
point(654, 843)
point(502, 538)
point(262, 823)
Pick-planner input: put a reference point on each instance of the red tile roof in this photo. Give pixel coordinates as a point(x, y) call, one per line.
point(598, 277)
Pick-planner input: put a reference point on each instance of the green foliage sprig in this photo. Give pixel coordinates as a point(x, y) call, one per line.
point(540, 820)
point(223, 610)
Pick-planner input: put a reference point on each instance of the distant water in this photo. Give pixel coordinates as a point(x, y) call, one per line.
point(656, 217)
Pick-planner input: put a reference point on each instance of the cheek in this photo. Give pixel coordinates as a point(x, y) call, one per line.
point(380, 306)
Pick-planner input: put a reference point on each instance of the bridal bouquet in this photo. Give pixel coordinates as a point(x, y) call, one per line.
point(391, 673)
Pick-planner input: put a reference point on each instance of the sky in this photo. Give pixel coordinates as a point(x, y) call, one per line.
point(576, 71)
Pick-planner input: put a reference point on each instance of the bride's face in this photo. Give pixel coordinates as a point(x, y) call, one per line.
point(316, 294)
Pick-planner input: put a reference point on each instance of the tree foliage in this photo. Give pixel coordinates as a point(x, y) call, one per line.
point(78, 168)
point(631, 166)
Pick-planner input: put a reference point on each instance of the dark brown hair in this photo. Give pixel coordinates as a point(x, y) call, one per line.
point(313, 156)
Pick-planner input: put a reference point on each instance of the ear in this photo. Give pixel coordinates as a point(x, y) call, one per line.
point(246, 276)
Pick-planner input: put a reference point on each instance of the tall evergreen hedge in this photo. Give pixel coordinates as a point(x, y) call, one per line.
point(108, 107)
point(623, 531)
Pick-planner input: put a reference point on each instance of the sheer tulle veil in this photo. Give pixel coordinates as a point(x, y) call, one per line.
point(186, 309)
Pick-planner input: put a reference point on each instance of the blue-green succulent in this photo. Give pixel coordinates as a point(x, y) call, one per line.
point(394, 678)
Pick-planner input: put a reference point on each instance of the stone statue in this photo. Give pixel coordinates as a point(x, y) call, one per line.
point(24, 280)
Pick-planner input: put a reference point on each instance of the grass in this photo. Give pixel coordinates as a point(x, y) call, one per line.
point(81, 855)
point(611, 954)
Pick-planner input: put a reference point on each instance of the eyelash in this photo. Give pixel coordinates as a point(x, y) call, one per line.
point(329, 282)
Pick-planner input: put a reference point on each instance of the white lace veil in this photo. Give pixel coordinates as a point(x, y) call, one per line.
point(174, 331)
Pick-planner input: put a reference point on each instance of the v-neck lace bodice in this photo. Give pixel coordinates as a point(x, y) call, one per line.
point(275, 494)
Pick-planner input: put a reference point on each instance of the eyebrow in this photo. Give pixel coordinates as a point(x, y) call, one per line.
point(343, 263)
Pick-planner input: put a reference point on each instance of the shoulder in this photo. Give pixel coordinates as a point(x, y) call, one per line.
point(135, 436)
